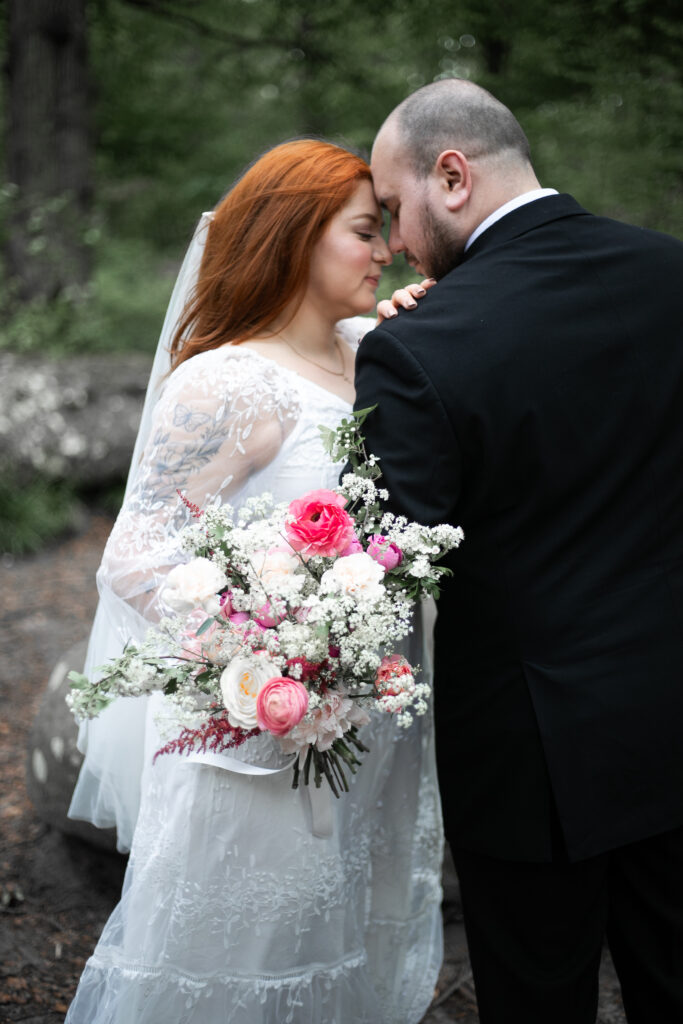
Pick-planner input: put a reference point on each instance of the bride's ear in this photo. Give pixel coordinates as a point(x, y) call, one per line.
point(455, 178)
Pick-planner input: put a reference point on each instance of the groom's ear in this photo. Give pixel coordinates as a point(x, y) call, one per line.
point(455, 178)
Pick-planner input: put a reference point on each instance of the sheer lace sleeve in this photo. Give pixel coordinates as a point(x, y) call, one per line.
point(223, 416)
point(354, 328)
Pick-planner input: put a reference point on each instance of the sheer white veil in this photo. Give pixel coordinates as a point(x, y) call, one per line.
point(107, 792)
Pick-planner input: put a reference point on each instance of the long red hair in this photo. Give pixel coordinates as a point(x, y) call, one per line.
point(258, 249)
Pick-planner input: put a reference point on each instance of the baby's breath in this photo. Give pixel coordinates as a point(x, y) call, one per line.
point(322, 621)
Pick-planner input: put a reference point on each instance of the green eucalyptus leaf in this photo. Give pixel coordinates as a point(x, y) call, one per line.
point(204, 626)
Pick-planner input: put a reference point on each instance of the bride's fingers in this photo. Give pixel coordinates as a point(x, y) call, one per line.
point(405, 298)
point(417, 289)
point(385, 310)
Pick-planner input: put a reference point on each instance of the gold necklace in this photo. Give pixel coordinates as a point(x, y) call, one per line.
point(335, 373)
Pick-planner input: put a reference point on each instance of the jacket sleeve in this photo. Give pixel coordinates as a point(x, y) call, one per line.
point(409, 431)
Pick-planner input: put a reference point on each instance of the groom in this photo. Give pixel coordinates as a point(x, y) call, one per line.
point(535, 397)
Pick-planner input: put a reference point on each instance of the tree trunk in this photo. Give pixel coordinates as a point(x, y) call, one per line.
point(48, 148)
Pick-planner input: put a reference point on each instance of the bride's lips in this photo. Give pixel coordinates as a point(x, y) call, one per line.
point(374, 281)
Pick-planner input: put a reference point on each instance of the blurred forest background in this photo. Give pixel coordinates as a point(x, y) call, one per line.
point(124, 119)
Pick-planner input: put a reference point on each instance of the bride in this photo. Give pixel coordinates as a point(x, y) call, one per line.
point(246, 901)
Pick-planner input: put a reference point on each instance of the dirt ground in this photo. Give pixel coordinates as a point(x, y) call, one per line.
point(56, 892)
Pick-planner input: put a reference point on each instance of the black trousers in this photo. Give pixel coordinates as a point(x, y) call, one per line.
point(535, 933)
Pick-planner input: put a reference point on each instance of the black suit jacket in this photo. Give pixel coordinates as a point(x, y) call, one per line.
point(535, 398)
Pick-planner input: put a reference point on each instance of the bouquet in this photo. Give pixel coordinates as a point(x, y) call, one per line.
point(284, 620)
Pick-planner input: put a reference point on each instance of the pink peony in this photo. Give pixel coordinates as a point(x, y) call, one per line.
point(384, 551)
point(325, 724)
point(226, 605)
point(319, 525)
point(280, 705)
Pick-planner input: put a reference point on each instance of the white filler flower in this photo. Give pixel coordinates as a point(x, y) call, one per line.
point(194, 584)
point(358, 575)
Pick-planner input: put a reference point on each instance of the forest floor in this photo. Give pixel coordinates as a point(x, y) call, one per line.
point(57, 891)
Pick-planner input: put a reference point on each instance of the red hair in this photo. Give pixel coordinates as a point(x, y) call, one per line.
point(259, 244)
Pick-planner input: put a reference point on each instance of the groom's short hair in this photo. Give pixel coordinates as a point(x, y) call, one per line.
point(457, 114)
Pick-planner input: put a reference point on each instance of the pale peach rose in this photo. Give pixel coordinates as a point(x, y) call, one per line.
point(274, 564)
point(194, 584)
point(357, 575)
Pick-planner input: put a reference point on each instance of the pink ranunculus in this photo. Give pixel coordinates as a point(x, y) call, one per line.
point(268, 615)
point(318, 525)
point(226, 605)
point(352, 548)
point(393, 675)
point(280, 705)
point(384, 551)
point(238, 618)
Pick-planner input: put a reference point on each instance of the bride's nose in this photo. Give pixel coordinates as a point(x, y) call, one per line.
point(382, 253)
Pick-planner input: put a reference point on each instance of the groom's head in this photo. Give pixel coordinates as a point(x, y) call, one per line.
point(443, 160)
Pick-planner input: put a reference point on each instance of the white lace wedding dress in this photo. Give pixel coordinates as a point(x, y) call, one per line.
point(232, 909)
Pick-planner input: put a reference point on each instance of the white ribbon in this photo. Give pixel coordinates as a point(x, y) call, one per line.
point(232, 764)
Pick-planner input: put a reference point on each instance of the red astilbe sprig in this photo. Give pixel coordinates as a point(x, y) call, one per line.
point(195, 510)
point(213, 736)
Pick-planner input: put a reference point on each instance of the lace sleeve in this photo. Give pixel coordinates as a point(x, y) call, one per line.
point(354, 328)
point(222, 417)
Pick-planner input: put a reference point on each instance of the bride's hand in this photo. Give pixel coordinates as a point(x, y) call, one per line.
point(405, 298)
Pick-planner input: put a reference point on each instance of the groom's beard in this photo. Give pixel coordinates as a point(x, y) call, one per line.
point(443, 253)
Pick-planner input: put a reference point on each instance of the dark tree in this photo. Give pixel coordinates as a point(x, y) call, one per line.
point(48, 147)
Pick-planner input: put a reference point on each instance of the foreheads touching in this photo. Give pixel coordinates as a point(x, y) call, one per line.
point(443, 160)
point(454, 114)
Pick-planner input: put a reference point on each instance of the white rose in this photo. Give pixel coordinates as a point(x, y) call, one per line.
point(357, 575)
point(240, 684)
point(194, 584)
point(276, 564)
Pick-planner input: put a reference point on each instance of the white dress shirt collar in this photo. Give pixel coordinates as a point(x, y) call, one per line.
point(513, 204)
